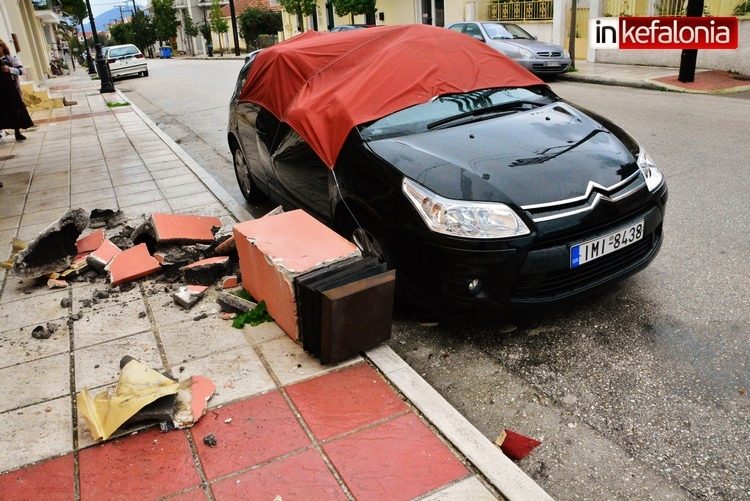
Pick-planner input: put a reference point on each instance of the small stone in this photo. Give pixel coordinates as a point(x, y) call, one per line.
point(209, 440)
point(65, 302)
point(142, 314)
point(40, 332)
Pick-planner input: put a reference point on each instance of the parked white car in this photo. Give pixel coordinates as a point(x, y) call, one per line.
point(125, 60)
point(538, 57)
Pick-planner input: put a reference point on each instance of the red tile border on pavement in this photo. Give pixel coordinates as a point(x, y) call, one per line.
point(51, 479)
point(709, 81)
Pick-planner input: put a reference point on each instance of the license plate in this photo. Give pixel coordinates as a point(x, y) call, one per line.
point(606, 244)
point(553, 63)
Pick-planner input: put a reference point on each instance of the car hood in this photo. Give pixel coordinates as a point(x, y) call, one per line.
point(534, 45)
point(535, 157)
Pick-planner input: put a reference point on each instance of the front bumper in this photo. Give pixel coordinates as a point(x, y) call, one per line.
point(533, 272)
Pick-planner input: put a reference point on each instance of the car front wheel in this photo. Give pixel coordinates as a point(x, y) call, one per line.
point(245, 182)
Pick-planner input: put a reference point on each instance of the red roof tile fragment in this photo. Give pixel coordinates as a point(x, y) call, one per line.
point(184, 228)
point(132, 264)
point(103, 255)
point(90, 242)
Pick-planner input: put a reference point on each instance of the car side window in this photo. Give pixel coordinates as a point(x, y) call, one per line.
point(473, 31)
point(457, 27)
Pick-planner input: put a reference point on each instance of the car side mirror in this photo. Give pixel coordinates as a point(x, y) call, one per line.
point(478, 37)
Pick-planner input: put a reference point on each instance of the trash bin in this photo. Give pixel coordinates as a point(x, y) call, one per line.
point(165, 52)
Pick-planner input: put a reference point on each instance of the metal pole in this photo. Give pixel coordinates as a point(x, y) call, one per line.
point(89, 59)
point(572, 40)
point(234, 28)
point(101, 65)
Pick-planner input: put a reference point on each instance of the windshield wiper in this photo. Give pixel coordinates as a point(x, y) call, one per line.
point(483, 111)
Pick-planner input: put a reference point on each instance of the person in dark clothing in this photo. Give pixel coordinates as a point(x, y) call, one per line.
point(13, 113)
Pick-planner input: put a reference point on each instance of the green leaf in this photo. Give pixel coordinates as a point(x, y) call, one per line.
point(254, 317)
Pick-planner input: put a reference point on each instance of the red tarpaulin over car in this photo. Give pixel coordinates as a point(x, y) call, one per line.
point(323, 84)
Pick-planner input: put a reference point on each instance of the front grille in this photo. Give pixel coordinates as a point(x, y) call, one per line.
point(549, 54)
point(567, 281)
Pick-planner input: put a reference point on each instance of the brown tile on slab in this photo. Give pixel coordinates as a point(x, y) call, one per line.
point(184, 228)
point(132, 264)
point(273, 250)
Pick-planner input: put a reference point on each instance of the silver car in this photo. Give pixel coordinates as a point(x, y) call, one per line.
point(538, 57)
point(124, 60)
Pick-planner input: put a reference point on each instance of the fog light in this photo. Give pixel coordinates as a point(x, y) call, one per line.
point(475, 285)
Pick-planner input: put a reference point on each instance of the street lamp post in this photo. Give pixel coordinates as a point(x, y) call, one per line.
point(89, 59)
point(101, 65)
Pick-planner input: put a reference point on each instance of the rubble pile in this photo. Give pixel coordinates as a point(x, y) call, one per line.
point(105, 245)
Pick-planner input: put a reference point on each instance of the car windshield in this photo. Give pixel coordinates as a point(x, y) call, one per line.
point(505, 31)
point(425, 116)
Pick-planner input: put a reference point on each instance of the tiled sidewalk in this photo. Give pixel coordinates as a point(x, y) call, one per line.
point(285, 425)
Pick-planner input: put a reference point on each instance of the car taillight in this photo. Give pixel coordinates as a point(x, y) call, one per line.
point(139, 56)
point(110, 61)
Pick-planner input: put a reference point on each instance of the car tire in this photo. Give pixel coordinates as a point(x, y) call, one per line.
point(145, 73)
point(249, 190)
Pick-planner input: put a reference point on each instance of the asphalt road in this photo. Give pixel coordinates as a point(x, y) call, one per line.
point(640, 393)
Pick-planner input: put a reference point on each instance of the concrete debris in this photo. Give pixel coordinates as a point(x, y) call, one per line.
point(83, 247)
point(132, 264)
point(192, 401)
point(56, 283)
point(230, 302)
point(102, 255)
point(205, 271)
point(187, 295)
point(66, 302)
point(44, 331)
point(53, 249)
point(106, 218)
point(210, 440)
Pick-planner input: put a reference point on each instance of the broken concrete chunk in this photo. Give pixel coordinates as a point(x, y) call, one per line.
point(229, 282)
point(192, 400)
point(232, 303)
point(100, 258)
point(187, 295)
point(171, 254)
point(131, 264)
point(182, 228)
point(226, 247)
point(56, 283)
point(106, 218)
point(44, 332)
point(53, 249)
point(206, 271)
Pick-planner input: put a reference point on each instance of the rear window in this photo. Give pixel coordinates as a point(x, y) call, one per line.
point(123, 51)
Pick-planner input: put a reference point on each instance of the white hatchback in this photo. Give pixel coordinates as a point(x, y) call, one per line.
point(124, 60)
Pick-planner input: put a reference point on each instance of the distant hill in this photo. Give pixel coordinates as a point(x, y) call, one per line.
point(112, 16)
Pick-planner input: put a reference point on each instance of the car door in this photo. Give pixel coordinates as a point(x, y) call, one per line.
point(302, 179)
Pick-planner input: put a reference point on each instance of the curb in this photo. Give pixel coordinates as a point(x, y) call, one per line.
point(572, 77)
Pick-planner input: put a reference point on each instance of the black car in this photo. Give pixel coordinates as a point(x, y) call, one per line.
point(490, 198)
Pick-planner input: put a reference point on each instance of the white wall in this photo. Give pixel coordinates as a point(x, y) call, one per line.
point(728, 60)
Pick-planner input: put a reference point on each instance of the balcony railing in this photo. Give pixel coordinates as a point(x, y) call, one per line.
point(516, 10)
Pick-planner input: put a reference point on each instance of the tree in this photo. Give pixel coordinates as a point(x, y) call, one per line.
point(299, 8)
point(355, 7)
point(144, 35)
point(164, 20)
point(121, 33)
point(191, 30)
point(217, 21)
point(259, 20)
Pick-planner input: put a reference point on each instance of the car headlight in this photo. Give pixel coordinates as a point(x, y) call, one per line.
point(653, 176)
point(526, 53)
point(461, 218)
